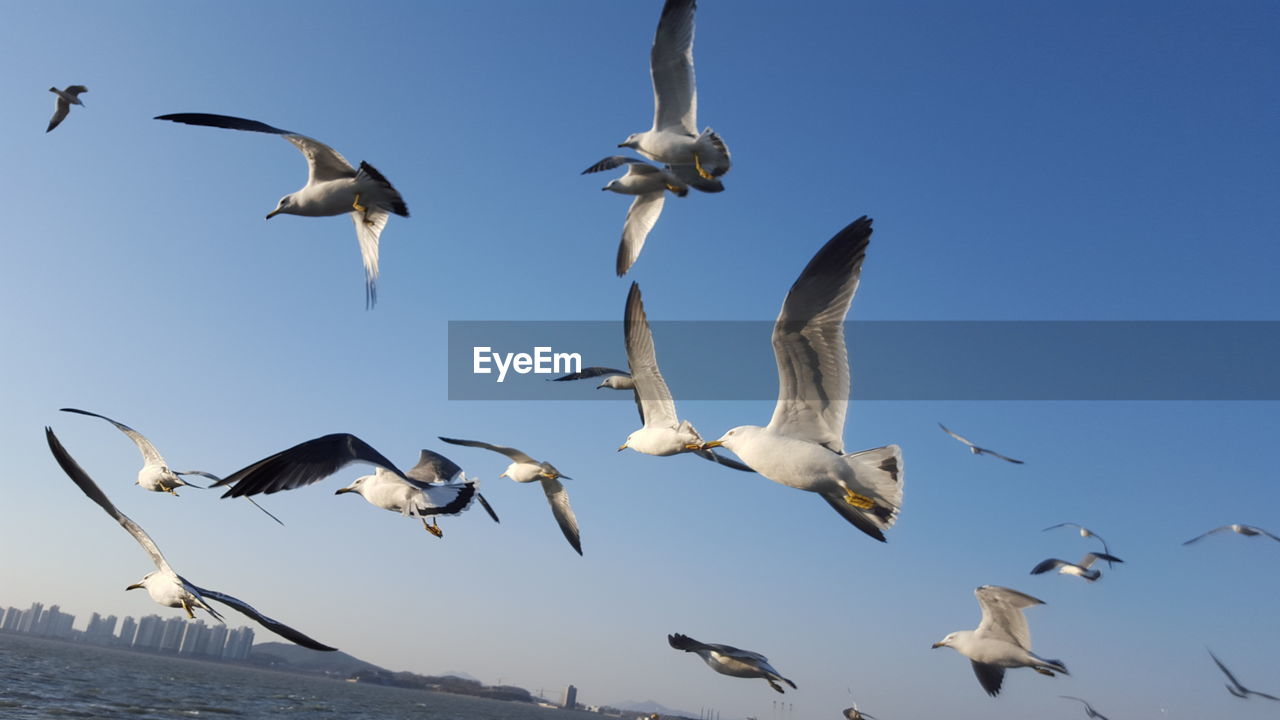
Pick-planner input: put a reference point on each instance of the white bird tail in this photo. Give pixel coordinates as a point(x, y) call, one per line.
point(880, 470)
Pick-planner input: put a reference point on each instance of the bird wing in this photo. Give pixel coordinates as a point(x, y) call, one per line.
point(1055, 527)
point(808, 341)
point(432, 467)
point(739, 653)
point(1225, 671)
point(487, 507)
point(323, 162)
point(715, 457)
point(1264, 532)
point(303, 464)
point(1046, 565)
point(1201, 536)
point(675, 93)
point(1091, 558)
point(990, 677)
point(369, 225)
point(591, 372)
point(90, 488)
point(60, 109)
point(512, 453)
point(686, 643)
point(217, 479)
point(559, 499)
point(687, 173)
point(1002, 616)
point(75, 90)
point(964, 440)
point(657, 407)
point(993, 453)
point(446, 499)
point(150, 455)
point(274, 626)
point(641, 217)
point(615, 161)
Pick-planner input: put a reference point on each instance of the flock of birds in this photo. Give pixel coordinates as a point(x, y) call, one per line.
point(802, 445)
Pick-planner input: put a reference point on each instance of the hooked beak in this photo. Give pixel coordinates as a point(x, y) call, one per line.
point(134, 586)
point(709, 445)
point(273, 213)
point(693, 446)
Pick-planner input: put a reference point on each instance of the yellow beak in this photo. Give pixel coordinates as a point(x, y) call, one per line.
point(134, 586)
point(622, 447)
point(712, 444)
point(273, 213)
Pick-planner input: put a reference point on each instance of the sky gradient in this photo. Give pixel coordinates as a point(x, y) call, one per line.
point(1037, 161)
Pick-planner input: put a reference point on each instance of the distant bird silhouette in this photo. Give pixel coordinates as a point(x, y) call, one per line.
point(1088, 709)
point(1084, 533)
point(978, 450)
point(62, 106)
point(1234, 687)
point(1246, 530)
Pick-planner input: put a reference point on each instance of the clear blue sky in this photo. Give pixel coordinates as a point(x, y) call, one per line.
point(1031, 161)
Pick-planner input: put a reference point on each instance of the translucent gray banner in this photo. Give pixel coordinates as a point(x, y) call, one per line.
point(713, 360)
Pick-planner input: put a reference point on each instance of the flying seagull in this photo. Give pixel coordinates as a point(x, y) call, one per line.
point(1245, 530)
point(674, 138)
point(1234, 687)
point(333, 187)
point(1002, 639)
point(803, 445)
point(1088, 709)
point(62, 106)
point(1084, 533)
point(853, 713)
point(1082, 569)
point(729, 660)
point(165, 586)
point(613, 379)
point(433, 487)
point(524, 469)
point(155, 474)
point(663, 432)
point(978, 450)
point(649, 184)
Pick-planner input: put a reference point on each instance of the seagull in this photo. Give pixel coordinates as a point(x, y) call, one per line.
point(1082, 569)
point(525, 469)
point(1245, 530)
point(1002, 639)
point(663, 432)
point(62, 106)
point(802, 446)
point(614, 379)
point(155, 474)
point(1234, 687)
point(1088, 709)
point(978, 450)
point(729, 660)
point(649, 184)
point(333, 187)
point(433, 487)
point(1084, 533)
point(165, 586)
point(674, 138)
point(853, 713)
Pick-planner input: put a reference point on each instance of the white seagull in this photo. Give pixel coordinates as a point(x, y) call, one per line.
point(674, 138)
point(649, 184)
point(1234, 687)
point(433, 487)
point(803, 445)
point(1083, 569)
point(1084, 533)
point(614, 379)
point(165, 586)
point(853, 713)
point(1245, 530)
point(524, 469)
point(333, 187)
point(732, 661)
point(978, 450)
point(1088, 709)
point(62, 105)
point(1002, 639)
point(155, 474)
point(664, 433)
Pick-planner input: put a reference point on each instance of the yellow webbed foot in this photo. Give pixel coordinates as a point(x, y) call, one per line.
point(697, 163)
point(355, 205)
point(185, 606)
point(862, 502)
point(433, 528)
